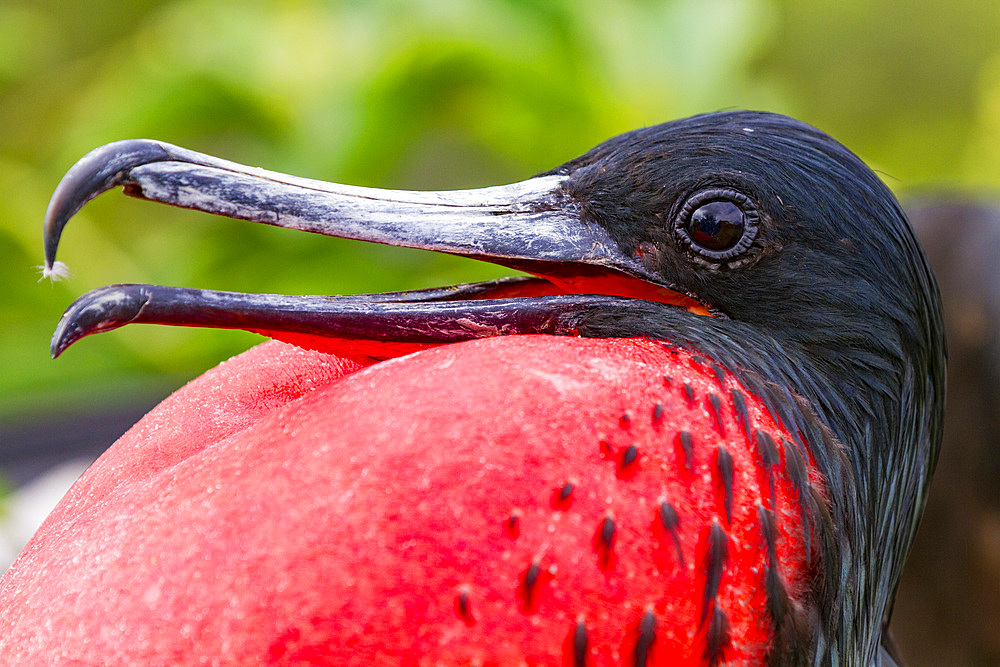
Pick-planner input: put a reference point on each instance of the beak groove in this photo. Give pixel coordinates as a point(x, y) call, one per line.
point(531, 221)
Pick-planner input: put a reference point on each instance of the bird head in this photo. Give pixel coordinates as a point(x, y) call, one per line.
point(748, 237)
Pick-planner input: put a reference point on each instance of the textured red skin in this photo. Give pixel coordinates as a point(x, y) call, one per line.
point(289, 507)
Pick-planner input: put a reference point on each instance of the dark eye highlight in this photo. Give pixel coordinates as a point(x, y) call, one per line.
point(718, 223)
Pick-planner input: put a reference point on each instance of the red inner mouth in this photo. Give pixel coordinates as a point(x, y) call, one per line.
point(589, 280)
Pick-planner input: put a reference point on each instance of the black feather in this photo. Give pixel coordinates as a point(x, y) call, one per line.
point(671, 523)
point(716, 555)
point(724, 467)
point(715, 409)
point(767, 457)
point(688, 393)
point(686, 443)
point(717, 639)
point(742, 414)
point(581, 644)
point(645, 640)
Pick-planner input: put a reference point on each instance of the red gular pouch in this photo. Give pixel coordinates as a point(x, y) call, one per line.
point(290, 507)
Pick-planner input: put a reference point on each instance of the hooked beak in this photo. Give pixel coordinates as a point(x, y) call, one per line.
point(533, 226)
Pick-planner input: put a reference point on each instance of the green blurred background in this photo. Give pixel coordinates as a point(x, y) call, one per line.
point(403, 94)
point(443, 94)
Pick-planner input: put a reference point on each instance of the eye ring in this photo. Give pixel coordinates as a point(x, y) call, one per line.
point(718, 223)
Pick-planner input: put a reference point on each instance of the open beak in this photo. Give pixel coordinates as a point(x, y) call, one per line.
point(533, 226)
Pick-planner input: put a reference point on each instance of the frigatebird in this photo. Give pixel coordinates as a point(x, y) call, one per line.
point(749, 244)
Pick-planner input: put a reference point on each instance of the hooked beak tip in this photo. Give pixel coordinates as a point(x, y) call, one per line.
point(98, 171)
point(103, 309)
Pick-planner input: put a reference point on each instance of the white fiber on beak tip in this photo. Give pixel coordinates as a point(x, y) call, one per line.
point(57, 272)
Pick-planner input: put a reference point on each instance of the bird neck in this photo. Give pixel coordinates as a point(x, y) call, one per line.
point(874, 436)
point(855, 403)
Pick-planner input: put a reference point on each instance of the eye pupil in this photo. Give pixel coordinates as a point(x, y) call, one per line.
point(717, 225)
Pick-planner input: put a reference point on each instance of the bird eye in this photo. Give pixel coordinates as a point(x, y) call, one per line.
point(719, 223)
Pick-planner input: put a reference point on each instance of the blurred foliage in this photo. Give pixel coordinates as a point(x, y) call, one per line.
point(395, 93)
